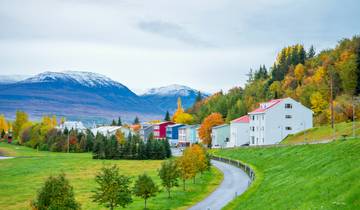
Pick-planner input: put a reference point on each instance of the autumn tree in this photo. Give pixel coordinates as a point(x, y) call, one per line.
point(3, 124)
point(209, 122)
point(178, 111)
point(299, 72)
point(120, 137)
point(113, 188)
point(145, 187)
point(318, 103)
point(20, 119)
point(200, 158)
point(184, 118)
point(169, 174)
point(57, 193)
point(187, 166)
point(275, 89)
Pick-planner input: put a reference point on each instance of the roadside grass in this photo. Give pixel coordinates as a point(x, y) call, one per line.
point(319, 176)
point(21, 177)
point(324, 133)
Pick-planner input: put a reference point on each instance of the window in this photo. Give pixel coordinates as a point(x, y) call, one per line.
point(252, 128)
point(288, 106)
point(288, 128)
point(262, 117)
point(253, 117)
point(288, 116)
point(227, 140)
point(252, 140)
point(257, 117)
point(263, 140)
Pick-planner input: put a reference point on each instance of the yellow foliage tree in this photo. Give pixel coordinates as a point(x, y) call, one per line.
point(318, 103)
point(200, 158)
point(20, 119)
point(299, 72)
point(53, 121)
point(187, 166)
point(275, 89)
point(184, 118)
point(4, 126)
point(209, 122)
point(120, 137)
point(178, 111)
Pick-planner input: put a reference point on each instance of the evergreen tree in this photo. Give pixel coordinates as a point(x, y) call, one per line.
point(167, 116)
point(113, 123)
point(114, 189)
point(57, 193)
point(311, 52)
point(2, 133)
point(119, 123)
point(145, 187)
point(167, 148)
point(136, 121)
point(198, 97)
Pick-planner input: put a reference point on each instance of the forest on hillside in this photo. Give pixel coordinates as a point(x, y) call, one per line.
point(304, 75)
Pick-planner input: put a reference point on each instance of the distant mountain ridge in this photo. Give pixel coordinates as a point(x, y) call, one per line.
point(87, 96)
point(166, 96)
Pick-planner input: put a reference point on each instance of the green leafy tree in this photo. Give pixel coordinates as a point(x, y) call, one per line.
point(56, 193)
point(169, 174)
point(145, 187)
point(113, 190)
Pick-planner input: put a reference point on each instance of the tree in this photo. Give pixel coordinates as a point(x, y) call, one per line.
point(120, 137)
point(145, 187)
point(169, 174)
point(275, 89)
point(178, 111)
point(299, 72)
point(318, 103)
point(198, 97)
point(209, 122)
point(113, 123)
point(136, 121)
point(119, 123)
point(167, 116)
point(184, 118)
point(347, 68)
point(20, 119)
point(187, 166)
point(311, 52)
point(56, 193)
point(200, 158)
point(3, 124)
point(114, 189)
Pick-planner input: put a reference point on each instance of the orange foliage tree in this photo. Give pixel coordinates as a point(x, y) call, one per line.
point(209, 122)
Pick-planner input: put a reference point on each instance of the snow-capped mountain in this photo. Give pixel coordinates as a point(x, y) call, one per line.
point(88, 79)
point(166, 97)
point(8, 79)
point(71, 93)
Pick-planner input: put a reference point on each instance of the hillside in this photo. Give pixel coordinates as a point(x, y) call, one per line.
point(325, 132)
point(321, 176)
point(301, 74)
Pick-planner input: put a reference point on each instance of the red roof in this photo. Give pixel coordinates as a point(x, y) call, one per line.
point(243, 119)
point(271, 104)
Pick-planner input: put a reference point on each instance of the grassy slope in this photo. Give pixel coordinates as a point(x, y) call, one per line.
point(21, 177)
point(321, 176)
point(323, 133)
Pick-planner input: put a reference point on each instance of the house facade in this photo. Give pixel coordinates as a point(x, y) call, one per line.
point(275, 119)
point(160, 129)
point(145, 131)
point(172, 133)
point(188, 135)
point(239, 132)
point(220, 136)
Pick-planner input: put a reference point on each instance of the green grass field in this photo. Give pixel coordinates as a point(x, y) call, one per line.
point(324, 133)
point(319, 176)
point(21, 177)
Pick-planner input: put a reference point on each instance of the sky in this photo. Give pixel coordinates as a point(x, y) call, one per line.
point(208, 45)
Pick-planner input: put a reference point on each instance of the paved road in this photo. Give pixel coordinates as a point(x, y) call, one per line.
point(235, 183)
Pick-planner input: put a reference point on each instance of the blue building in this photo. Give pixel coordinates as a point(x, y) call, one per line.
point(172, 133)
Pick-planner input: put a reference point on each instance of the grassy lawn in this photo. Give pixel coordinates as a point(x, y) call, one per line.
point(324, 133)
point(321, 176)
point(21, 177)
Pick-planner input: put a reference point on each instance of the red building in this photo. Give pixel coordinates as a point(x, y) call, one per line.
point(160, 130)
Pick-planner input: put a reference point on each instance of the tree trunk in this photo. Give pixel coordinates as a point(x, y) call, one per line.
point(194, 179)
point(145, 203)
point(168, 193)
point(184, 184)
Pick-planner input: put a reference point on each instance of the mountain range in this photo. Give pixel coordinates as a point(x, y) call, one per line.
point(87, 96)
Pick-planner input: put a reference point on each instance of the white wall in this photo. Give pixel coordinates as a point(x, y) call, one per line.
point(239, 134)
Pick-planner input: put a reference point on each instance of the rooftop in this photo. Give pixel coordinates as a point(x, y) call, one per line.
point(243, 119)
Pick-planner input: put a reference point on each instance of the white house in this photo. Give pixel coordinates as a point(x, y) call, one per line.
point(72, 125)
point(220, 136)
point(239, 132)
point(275, 119)
point(110, 130)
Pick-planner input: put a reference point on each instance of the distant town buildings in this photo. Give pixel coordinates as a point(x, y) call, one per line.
point(72, 125)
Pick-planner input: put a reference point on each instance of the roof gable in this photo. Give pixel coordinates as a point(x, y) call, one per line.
point(243, 119)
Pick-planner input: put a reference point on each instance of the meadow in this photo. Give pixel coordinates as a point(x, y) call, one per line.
point(21, 177)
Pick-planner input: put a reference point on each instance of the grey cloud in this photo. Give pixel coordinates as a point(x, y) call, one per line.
point(173, 31)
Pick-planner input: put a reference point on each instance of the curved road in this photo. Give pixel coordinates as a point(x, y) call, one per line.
point(234, 184)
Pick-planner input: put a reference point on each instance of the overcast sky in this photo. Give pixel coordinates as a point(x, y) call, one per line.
point(205, 44)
